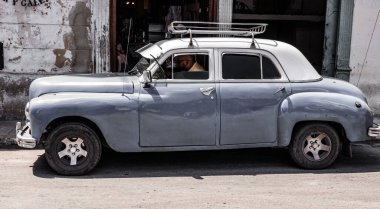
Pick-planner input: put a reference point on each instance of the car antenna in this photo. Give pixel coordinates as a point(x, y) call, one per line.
point(126, 55)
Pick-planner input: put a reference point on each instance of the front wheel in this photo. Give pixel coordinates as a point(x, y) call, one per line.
point(315, 146)
point(73, 149)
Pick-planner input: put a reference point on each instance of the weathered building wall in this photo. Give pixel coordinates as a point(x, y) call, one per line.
point(51, 37)
point(365, 50)
point(41, 38)
point(101, 35)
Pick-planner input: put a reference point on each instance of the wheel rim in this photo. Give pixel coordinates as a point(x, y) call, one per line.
point(317, 146)
point(73, 151)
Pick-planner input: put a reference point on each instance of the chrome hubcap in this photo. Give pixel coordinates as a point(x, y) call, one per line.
point(74, 149)
point(317, 146)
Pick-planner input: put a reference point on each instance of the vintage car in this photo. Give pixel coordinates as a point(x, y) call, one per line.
point(198, 93)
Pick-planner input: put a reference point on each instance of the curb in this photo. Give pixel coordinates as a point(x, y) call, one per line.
point(7, 135)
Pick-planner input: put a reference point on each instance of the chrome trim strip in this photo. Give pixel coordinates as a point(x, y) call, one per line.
point(374, 131)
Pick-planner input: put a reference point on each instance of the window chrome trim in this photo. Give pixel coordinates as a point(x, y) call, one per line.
point(211, 66)
point(253, 81)
point(181, 81)
point(261, 67)
point(252, 52)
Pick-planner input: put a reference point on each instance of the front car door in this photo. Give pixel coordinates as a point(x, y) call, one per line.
point(179, 107)
point(252, 85)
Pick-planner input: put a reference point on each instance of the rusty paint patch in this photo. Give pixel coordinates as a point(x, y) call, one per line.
point(15, 59)
point(60, 59)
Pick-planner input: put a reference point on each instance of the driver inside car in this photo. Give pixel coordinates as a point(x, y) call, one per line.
point(188, 63)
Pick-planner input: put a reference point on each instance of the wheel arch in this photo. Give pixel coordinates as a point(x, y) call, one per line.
point(305, 149)
point(70, 119)
point(338, 110)
point(339, 128)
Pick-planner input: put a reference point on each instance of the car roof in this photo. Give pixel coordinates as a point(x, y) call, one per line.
point(294, 63)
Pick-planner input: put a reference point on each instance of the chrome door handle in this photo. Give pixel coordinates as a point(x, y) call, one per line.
point(282, 89)
point(207, 91)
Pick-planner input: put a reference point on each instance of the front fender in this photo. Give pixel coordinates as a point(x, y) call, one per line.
point(115, 114)
point(328, 107)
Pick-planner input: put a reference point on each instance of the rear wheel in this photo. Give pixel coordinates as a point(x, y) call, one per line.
point(73, 149)
point(315, 146)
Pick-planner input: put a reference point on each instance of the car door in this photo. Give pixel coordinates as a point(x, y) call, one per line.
point(252, 85)
point(179, 108)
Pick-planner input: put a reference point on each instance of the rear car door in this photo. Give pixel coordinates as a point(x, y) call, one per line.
point(252, 86)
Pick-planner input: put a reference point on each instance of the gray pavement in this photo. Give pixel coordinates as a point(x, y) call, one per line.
point(255, 178)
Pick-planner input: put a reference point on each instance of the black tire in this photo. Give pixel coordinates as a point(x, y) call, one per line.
point(315, 141)
point(75, 133)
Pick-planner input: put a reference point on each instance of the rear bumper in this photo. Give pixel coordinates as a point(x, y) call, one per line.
point(23, 136)
point(374, 131)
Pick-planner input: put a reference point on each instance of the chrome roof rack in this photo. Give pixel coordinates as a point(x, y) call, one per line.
point(216, 28)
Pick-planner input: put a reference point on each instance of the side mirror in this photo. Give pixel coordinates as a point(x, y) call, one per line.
point(147, 78)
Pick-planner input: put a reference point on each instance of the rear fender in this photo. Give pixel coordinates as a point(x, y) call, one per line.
point(324, 107)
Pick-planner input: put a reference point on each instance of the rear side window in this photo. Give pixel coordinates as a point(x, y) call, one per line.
point(245, 66)
point(269, 69)
point(241, 66)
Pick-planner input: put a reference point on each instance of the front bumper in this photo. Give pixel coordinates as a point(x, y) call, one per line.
point(374, 131)
point(23, 137)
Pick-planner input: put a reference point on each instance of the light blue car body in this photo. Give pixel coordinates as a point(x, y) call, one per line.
point(132, 115)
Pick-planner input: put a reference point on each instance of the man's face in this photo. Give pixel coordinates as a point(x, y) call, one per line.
point(185, 62)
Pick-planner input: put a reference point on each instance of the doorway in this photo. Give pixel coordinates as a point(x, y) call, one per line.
point(300, 23)
point(135, 23)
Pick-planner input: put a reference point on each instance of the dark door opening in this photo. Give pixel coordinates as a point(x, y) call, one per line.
point(1, 56)
point(135, 23)
point(300, 23)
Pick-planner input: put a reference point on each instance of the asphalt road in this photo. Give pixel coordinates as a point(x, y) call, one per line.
point(258, 178)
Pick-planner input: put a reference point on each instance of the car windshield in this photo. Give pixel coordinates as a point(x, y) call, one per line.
point(141, 65)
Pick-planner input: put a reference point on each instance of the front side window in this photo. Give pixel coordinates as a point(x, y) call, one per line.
point(140, 66)
point(194, 66)
point(246, 66)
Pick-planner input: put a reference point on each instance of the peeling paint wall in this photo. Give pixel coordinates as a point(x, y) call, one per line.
point(365, 50)
point(100, 31)
point(54, 36)
point(43, 38)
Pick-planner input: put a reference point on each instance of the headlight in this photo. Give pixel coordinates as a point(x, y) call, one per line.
point(27, 111)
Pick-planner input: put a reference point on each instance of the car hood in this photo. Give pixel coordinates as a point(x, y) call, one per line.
point(96, 83)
